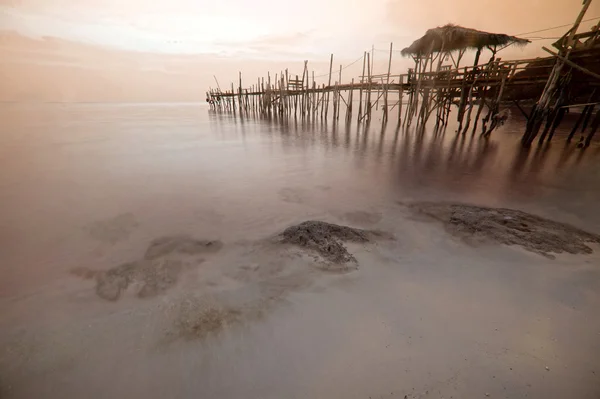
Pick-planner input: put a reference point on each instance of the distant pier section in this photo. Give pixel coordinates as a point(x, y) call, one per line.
point(480, 93)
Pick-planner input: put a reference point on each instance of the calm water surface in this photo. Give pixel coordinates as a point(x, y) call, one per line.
point(89, 186)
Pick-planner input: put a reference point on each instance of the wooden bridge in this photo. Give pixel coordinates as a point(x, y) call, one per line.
point(438, 82)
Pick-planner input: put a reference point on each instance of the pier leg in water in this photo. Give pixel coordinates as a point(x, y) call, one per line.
point(594, 128)
point(559, 117)
point(578, 123)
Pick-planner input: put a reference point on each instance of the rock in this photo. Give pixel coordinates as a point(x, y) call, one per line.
point(508, 226)
point(327, 239)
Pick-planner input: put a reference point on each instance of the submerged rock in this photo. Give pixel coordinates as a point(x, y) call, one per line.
point(327, 239)
point(510, 227)
point(158, 270)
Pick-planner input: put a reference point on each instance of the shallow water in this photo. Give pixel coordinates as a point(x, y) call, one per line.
point(88, 187)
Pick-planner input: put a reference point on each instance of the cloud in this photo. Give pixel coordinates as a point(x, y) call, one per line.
point(235, 27)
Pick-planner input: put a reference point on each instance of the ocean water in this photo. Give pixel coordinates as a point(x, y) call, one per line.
point(87, 187)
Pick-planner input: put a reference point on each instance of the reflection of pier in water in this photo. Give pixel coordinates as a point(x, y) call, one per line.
point(428, 159)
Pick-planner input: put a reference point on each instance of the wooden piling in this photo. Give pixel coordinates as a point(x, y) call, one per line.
point(400, 98)
point(593, 129)
point(387, 84)
point(349, 106)
point(368, 103)
point(328, 86)
point(360, 92)
point(339, 94)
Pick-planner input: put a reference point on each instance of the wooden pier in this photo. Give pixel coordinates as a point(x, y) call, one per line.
point(437, 83)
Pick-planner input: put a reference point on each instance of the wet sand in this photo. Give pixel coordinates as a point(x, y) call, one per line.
point(183, 266)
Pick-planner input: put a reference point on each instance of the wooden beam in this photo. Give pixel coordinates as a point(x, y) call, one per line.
point(521, 109)
point(572, 64)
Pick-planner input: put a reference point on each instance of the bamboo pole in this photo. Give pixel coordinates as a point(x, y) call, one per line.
point(586, 120)
point(323, 95)
point(328, 86)
point(232, 98)
point(315, 107)
point(314, 94)
point(335, 100)
point(542, 106)
point(400, 95)
point(593, 129)
point(269, 99)
point(240, 104)
point(368, 104)
point(410, 77)
point(497, 100)
point(578, 123)
point(572, 64)
point(461, 103)
point(339, 94)
point(305, 99)
point(387, 84)
point(360, 93)
point(350, 99)
point(557, 119)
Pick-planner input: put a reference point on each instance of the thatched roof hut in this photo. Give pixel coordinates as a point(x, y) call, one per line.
point(454, 37)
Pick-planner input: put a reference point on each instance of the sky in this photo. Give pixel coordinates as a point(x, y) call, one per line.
point(160, 48)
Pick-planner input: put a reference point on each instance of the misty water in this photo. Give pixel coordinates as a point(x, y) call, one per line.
point(85, 188)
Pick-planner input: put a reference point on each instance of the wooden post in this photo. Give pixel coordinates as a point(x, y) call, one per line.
point(339, 94)
point(328, 86)
point(410, 77)
point(368, 104)
point(296, 99)
point(350, 99)
point(593, 129)
point(360, 91)
point(270, 91)
point(586, 120)
point(400, 93)
point(461, 103)
point(335, 101)
point(483, 91)
point(276, 88)
point(314, 94)
point(579, 120)
point(258, 96)
point(387, 84)
point(477, 56)
point(315, 106)
point(557, 119)
point(542, 106)
point(373, 73)
point(323, 95)
point(240, 93)
point(498, 99)
point(233, 98)
point(305, 99)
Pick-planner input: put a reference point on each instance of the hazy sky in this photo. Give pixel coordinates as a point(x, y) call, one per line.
point(206, 33)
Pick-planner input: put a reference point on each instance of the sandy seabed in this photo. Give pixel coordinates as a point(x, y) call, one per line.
point(383, 296)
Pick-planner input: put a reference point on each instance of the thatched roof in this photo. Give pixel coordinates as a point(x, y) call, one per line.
point(453, 37)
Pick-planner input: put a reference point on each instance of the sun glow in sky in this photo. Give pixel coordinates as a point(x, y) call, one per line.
point(186, 27)
point(262, 26)
point(175, 46)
